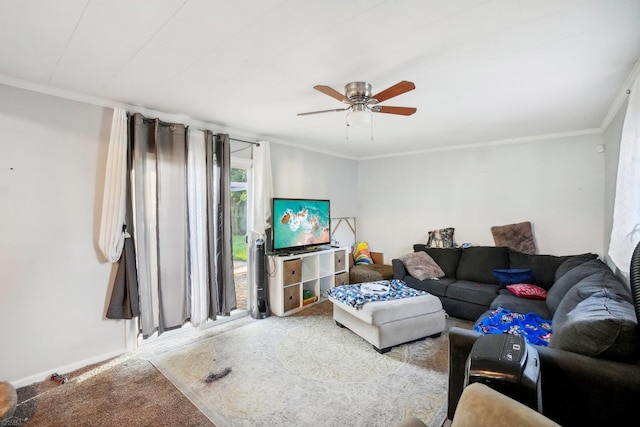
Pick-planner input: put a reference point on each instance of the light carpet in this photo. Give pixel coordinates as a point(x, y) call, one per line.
point(303, 370)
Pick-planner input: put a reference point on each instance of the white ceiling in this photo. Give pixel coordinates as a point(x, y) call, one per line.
point(484, 70)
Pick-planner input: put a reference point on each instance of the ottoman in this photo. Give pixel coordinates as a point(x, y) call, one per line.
point(385, 324)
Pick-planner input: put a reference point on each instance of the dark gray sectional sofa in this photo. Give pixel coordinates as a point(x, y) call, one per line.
point(591, 369)
point(469, 287)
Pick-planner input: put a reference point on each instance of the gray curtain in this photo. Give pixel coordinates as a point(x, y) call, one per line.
point(160, 222)
point(222, 287)
point(153, 279)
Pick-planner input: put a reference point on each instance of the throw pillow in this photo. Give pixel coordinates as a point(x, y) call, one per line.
point(442, 238)
point(361, 254)
point(421, 266)
point(511, 276)
point(446, 258)
point(515, 236)
point(525, 290)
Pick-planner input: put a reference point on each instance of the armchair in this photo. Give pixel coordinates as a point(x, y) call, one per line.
point(361, 273)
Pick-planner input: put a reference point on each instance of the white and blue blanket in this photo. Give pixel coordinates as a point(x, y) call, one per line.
point(382, 290)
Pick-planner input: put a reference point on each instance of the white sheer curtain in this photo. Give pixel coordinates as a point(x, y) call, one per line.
point(113, 241)
point(261, 187)
point(111, 238)
point(197, 201)
point(625, 233)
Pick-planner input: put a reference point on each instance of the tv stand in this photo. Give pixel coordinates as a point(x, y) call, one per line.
point(310, 272)
point(299, 251)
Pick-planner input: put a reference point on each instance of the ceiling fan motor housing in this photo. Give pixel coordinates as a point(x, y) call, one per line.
point(358, 91)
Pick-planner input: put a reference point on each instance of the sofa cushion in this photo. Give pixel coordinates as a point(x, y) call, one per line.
point(602, 325)
point(446, 258)
point(435, 287)
point(506, 299)
point(572, 262)
point(478, 293)
point(509, 276)
point(478, 262)
point(421, 266)
point(571, 278)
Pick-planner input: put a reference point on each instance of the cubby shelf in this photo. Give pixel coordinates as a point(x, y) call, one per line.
point(315, 272)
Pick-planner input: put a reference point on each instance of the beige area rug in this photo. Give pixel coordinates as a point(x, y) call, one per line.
point(303, 370)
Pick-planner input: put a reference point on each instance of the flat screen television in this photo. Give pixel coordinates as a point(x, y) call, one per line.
point(300, 223)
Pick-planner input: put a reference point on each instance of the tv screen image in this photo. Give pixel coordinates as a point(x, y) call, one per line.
point(298, 223)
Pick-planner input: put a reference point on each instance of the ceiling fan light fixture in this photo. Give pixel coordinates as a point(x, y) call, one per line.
point(362, 103)
point(358, 116)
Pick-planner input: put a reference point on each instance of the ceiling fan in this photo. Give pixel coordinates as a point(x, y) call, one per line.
point(358, 96)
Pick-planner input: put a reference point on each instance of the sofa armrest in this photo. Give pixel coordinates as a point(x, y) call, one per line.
point(460, 343)
point(399, 270)
point(482, 406)
point(584, 390)
point(576, 389)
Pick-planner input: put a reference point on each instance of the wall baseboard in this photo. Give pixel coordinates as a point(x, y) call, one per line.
point(64, 369)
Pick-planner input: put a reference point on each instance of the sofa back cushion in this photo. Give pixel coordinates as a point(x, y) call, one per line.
point(572, 262)
point(586, 287)
point(544, 266)
point(478, 262)
point(602, 325)
point(446, 258)
point(571, 278)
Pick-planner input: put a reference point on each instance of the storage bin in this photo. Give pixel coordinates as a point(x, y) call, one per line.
point(292, 271)
point(291, 297)
point(339, 261)
point(342, 279)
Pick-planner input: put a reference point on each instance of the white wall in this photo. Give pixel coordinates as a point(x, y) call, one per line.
point(304, 174)
point(53, 283)
point(557, 184)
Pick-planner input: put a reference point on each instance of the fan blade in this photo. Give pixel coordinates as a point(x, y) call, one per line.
point(395, 90)
point(403, 111)
point(323, 111)
point(332, 93)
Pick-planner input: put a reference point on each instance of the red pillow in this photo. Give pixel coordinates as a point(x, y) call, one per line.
point(526, 290)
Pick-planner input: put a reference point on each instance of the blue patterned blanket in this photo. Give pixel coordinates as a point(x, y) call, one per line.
point(534, 328)
point(354, 296)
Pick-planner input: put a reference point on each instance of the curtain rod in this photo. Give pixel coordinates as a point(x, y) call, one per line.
point(257, 144)
point(248, 142)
